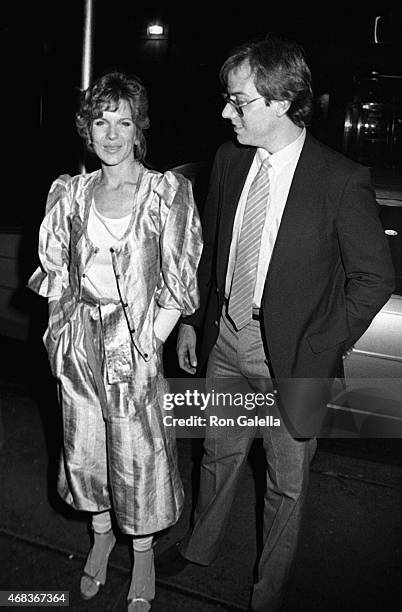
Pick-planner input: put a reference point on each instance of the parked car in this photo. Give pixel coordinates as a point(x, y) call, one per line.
point(368, 401)
point(373, 369)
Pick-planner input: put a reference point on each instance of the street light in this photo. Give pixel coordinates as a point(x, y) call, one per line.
point(156, 31)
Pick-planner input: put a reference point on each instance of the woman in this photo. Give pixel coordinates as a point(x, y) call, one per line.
point(119, 249)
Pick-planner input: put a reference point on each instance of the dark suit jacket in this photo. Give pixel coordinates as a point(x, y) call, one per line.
point(330, 271)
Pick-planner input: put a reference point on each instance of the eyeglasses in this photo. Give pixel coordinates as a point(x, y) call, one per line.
point(238, 106)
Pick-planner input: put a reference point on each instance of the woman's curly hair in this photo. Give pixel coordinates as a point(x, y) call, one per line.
point(106, 94)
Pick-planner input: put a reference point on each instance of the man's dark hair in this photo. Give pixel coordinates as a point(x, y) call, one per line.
point(280, 72)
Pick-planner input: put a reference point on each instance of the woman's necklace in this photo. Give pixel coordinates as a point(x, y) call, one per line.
point(112, 225)
point(112, 199)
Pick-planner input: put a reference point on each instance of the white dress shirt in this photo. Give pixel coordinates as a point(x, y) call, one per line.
point(283, 166)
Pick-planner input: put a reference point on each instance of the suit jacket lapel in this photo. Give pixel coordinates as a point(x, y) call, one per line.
point(303, 202)
point(235, 175)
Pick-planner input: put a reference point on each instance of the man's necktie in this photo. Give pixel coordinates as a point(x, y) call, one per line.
point(248, 249)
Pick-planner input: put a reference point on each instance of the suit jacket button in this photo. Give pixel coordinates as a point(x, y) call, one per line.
point(216, 322)
point(146, 355)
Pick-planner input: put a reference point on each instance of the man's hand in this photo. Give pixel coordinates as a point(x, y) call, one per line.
point(186, 343)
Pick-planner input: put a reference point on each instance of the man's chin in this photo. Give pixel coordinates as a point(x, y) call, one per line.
point(240, 138)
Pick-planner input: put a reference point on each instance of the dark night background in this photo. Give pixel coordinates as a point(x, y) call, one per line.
point(41, 51)
point(41, 75)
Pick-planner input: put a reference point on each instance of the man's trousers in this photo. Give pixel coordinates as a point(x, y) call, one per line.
point(238, 364)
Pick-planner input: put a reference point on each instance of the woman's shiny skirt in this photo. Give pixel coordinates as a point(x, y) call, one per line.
point(117, 453)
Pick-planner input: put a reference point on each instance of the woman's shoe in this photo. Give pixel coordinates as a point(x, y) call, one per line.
point(142, 587)
point(138, 604)
point(94, 574)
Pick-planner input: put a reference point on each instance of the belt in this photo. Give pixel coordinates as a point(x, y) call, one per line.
point(256, 315)
point(87, 298)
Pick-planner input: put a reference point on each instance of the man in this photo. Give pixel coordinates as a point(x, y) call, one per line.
point(295, 266)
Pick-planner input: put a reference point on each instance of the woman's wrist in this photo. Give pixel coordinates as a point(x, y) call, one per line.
point(164, 323)
point(159, 342)
point(51, 305)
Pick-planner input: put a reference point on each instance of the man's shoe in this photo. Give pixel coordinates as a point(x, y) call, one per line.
point(170, 562)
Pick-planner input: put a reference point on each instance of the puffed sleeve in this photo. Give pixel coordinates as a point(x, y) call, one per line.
point(51, 277)
point(181, 244)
